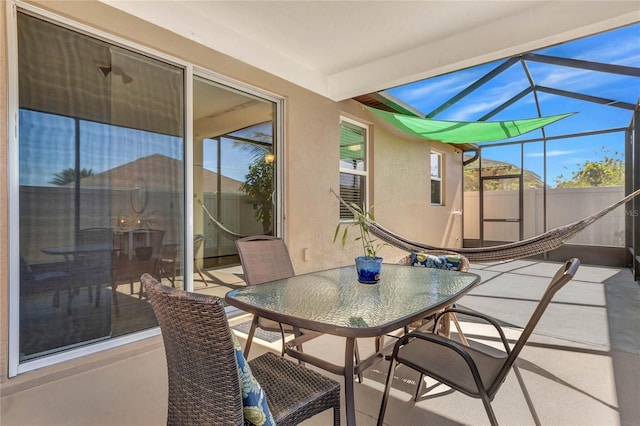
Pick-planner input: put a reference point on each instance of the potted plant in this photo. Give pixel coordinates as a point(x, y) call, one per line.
point(370, 264)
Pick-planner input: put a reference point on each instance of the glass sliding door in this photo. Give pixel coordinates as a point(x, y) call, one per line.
point(101, 178)
point(234, 179)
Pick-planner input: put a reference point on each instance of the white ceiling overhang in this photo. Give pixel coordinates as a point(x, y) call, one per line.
point(343, 49)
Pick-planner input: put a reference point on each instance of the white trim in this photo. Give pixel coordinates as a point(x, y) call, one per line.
point(188, 189)
point(13, 195)
point(89, 349)
point(280, 230)
point(438, 178)
point(367, 158)
point(279, 136)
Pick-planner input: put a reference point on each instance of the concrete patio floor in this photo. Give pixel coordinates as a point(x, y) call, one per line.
point(581, 367)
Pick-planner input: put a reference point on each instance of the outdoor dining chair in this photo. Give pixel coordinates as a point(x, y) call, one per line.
point(476, 370)
point(210, 382)
point(264, 258)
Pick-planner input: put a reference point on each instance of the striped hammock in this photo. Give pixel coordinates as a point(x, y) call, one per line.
point(542, 243)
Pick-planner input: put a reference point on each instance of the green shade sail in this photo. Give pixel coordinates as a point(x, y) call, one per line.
point(465, 131)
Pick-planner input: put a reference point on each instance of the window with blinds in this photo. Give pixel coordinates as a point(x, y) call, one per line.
point(436, 178)
point(353, 164)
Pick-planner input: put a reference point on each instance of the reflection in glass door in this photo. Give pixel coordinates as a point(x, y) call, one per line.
point(100, 180)
point(234, 176)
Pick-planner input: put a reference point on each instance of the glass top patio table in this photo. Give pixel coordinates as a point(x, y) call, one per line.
point(333, 301)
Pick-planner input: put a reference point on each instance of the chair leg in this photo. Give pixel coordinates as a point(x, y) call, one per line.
point(282, 333)
point(173, 276)
point(199, 271)
point(69, 300)
point(489, 409)
point(357, 357)
point(336, 415)
point(385, 395)
point(252, 331)
point(461, 335)
point(97, 304)
point(114, 296)
point(420, 382)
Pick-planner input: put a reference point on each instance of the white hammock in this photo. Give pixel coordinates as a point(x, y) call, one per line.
point(226, 232)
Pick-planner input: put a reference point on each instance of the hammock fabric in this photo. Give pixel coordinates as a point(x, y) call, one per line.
point(227, 233)
point(542, 243)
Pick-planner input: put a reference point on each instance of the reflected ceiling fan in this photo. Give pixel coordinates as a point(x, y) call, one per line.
point(106, 70)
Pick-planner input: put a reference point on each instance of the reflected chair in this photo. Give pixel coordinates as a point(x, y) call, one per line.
point(198, 240)
point(264, 258)
point(438, 259)
point(476, 370)
point(146, 246)
point(206, 370)
point(169, 262)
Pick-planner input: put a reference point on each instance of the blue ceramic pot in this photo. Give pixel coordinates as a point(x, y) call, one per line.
point(368, 269)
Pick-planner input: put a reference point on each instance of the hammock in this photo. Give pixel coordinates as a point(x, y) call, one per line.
point(227, 233)
point(542, 243)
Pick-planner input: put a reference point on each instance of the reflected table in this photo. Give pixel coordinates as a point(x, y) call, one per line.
point(102, 251)
point(334, 302)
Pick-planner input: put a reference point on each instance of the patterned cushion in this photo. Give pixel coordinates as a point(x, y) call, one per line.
point(441, 261)
point(254, 400)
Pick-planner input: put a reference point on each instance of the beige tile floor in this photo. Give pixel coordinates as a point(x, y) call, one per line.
point(582, 367)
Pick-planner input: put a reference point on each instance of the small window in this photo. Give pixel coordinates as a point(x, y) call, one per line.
point(436, 179)
point(353, 164)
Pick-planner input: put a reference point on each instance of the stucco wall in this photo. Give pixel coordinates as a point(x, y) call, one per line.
point(401, 166)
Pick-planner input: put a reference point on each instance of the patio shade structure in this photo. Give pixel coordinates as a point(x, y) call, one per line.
point(459, 132)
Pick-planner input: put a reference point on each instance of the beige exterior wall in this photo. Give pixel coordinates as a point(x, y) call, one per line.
point(400, 165)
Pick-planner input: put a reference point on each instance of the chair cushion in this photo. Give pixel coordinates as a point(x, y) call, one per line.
point(254, 400)
point(441, 261)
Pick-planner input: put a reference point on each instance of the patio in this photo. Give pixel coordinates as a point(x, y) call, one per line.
point(580, 367)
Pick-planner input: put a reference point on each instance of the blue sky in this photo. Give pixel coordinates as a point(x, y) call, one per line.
point(620, 47)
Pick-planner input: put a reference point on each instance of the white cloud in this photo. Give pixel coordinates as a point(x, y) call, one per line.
point(625, 52)
point(416, 92)
point(554, 153)
point(492, 98)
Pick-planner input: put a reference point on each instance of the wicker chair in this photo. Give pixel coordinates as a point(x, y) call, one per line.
point(476, 370)
point(204, 383)
point(264, 258)
point(445, 324)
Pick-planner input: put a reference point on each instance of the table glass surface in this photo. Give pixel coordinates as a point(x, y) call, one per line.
point(335, 297)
